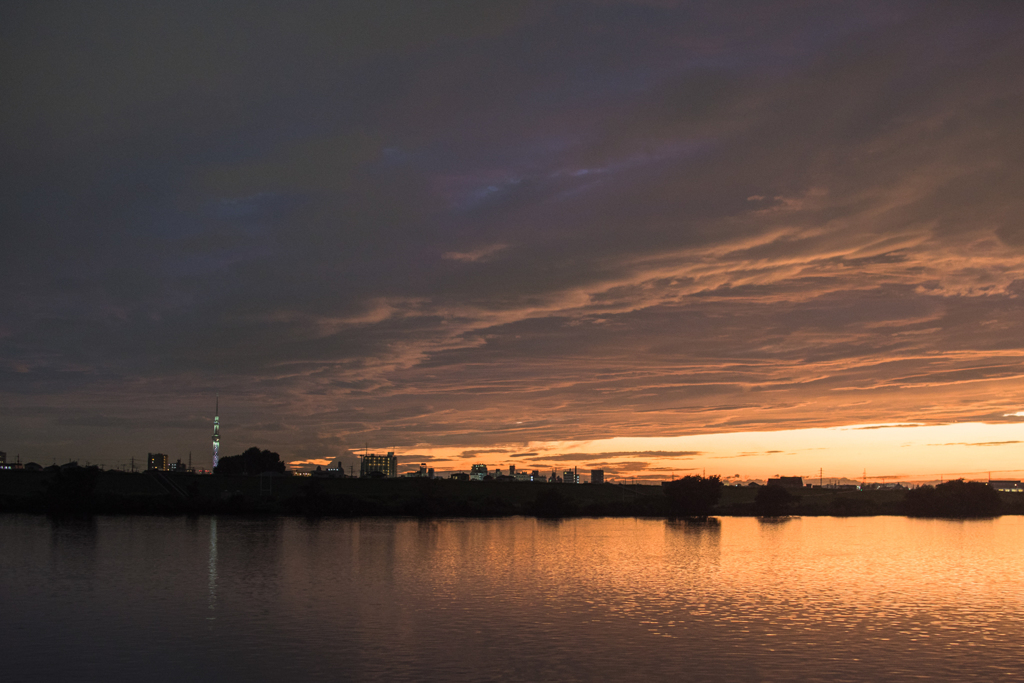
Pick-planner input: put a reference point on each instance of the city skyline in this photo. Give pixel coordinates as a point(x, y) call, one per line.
point(658, 238)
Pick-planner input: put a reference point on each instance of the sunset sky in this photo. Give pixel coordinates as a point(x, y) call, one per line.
point(744, 238)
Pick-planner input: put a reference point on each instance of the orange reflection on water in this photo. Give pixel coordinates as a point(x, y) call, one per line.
point(873, 595)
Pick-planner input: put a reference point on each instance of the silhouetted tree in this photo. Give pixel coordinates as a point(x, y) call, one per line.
point(70, 490)
point(694, 495)
point(252, 462)
point(957, 498)
point(774, 501)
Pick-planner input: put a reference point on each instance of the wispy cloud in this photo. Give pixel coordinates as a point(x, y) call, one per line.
point(985, 443)
point(475, 255)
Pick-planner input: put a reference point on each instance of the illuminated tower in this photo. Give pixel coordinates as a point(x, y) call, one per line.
point(216, 434)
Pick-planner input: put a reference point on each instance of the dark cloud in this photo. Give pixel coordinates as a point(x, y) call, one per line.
point(984, 443)
point(892, 426)
point(108, 421)
point(472, 226)
point(584, 457)
point(483, 451)
point(742, 455)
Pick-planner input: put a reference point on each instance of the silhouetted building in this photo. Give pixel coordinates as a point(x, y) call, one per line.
point(331, 471)
point(157, 461)
point(422, 473)
point(596, 476)
point(178, 466)
point(885, 486)
point(377, 465)
point(1007, 485)
point(3, 458)
point(477, 472)
point(459, 476)
point(570, 477)
point(787, 482)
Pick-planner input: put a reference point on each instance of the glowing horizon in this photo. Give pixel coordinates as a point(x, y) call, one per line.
point(875, 452)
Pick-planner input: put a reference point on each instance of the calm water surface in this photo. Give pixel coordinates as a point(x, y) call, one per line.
point(213, 599)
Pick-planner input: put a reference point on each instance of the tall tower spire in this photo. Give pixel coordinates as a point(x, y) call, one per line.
point(216, 433)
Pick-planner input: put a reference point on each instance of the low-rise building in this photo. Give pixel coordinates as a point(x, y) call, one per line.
point(423, 472)
point(787, 482)
point(4, 465)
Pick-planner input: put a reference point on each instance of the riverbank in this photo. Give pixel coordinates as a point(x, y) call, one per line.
point(90, 491)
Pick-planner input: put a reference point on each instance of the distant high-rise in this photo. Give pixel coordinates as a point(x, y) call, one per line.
point(216, 434)
point(379, 465)
point(157, 461)
point(596, 476)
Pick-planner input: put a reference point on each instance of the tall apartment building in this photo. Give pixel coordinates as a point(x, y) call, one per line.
point(377, 465)
point(157, 461)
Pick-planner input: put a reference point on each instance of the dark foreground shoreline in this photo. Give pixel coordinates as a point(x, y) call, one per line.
point(89, 491)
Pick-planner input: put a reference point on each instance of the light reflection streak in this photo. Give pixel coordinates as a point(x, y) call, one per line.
point(212, 569)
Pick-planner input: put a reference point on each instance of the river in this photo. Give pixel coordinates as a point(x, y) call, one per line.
point(514, 599)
